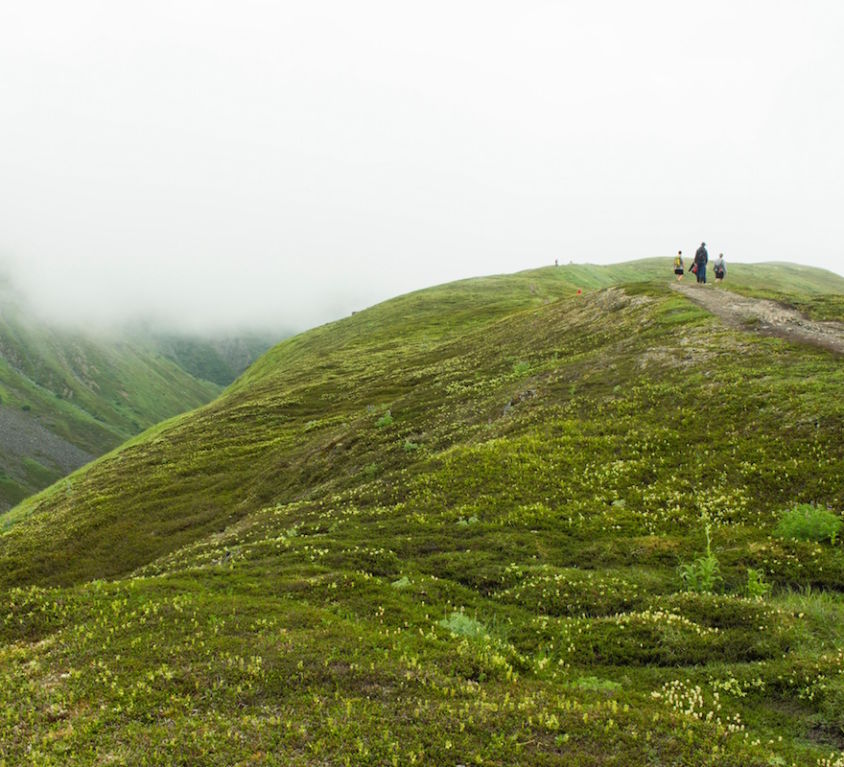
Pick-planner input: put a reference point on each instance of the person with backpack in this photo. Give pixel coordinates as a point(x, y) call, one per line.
point(720, 268)
point(679, 267)
point(701, 260)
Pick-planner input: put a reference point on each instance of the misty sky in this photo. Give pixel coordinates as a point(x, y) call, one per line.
point(287, 162)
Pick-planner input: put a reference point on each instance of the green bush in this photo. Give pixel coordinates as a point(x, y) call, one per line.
point(722, 611)
point(596, 684)
point(473, 520)
point(806, 522)
point(384, 420)
point(462, 625)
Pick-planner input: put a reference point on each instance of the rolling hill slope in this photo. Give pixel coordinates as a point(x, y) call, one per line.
point(494, 522)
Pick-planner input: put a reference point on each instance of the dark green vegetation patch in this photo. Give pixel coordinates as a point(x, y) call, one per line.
point(490, 575)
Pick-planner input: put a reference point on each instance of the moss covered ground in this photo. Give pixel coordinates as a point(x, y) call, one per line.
point(451, 530)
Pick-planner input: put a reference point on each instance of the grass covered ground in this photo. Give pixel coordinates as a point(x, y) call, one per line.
point(496, 522)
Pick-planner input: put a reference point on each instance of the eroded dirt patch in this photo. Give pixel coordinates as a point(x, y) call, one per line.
point(765, 317)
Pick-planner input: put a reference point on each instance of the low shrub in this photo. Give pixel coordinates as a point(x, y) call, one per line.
point(596, 684)
point(571, 592)
point(806, 522)
point(462, 625)
point(721, 611)
point(757, 586)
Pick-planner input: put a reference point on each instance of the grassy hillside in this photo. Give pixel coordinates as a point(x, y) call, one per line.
point(495, 522)
point(66, 397)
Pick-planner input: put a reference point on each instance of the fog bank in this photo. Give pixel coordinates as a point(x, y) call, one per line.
point(262, 164)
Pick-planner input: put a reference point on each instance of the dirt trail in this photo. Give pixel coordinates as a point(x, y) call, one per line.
point(765, 317)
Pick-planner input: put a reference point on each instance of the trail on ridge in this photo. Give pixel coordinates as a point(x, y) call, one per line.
point(765, 317)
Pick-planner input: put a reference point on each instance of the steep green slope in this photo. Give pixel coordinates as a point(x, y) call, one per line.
point(66, 397)
point(447, 530)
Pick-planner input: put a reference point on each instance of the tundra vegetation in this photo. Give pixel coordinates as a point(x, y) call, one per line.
point(496, 522)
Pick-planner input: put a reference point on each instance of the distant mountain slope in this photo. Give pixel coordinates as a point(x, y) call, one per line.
point(219, 360)
point(497, 522)
point(66, 396)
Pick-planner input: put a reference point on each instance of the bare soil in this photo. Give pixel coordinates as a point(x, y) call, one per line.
point(764, 317)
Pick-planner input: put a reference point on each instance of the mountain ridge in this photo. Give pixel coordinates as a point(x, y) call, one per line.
point(471, 525)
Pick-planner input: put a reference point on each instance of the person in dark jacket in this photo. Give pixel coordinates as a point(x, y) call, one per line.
point(701, 260)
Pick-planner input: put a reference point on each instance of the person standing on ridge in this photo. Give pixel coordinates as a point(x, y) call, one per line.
point(720, 268)
point(701, 260)
point(679, 267)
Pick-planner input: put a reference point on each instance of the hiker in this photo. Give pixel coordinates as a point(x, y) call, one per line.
point(679, 267)
point(701, 260)
point(720, 268)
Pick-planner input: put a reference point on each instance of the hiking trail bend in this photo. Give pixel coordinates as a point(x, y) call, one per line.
point(765, 317)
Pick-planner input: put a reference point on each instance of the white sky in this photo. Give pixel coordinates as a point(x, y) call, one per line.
point(249, 162)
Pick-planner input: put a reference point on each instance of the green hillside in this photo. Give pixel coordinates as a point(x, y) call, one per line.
point(494, 522)
point(66, 397)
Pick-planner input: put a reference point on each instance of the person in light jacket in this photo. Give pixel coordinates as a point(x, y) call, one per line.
point(720, 267)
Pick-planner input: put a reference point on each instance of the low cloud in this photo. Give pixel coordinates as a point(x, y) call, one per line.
point(283, 165)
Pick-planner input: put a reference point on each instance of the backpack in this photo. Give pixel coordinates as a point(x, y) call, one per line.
point(700, 256)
